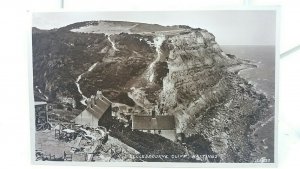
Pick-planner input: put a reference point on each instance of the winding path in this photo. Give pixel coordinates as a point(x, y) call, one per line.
point(157, 43)
point(84, 98)
point(112, 43)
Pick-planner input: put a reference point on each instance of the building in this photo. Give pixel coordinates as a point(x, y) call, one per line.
point(97, 113)
point(41, 117)
point(161, 125)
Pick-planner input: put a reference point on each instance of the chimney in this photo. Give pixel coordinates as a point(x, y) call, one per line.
point(153, 113)
point(93, 100)
point(99, 95)
point(88, 103)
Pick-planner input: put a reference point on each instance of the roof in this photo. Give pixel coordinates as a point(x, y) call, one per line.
point(39, 103)
point(101, 105)
point(157, 123)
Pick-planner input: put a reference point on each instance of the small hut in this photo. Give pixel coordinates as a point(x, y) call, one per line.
point(41, 116)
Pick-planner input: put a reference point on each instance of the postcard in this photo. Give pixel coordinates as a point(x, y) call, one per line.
point(191, 87)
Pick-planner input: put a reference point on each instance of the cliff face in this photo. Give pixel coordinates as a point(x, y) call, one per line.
point(176, 70)
point(207, 96)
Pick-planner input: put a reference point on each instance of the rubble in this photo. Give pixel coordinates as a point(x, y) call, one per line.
point(70, 142)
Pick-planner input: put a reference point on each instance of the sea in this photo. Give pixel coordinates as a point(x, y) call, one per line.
point(263, 80)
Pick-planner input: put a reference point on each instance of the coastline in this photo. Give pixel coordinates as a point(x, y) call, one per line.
point(265, 141)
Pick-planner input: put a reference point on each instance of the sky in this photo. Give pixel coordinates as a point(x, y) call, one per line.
point(231, 27)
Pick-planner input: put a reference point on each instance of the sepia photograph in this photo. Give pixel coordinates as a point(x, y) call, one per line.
point(154, 86)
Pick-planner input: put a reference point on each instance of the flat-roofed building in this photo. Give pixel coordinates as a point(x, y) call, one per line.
point(161, 125)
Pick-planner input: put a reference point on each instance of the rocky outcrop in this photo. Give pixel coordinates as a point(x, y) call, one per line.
point(208, 98)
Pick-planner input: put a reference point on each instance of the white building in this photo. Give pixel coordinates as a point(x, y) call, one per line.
point(98, 112)
point(161, 125)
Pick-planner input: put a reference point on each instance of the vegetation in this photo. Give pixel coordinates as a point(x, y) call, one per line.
point(147, 143)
